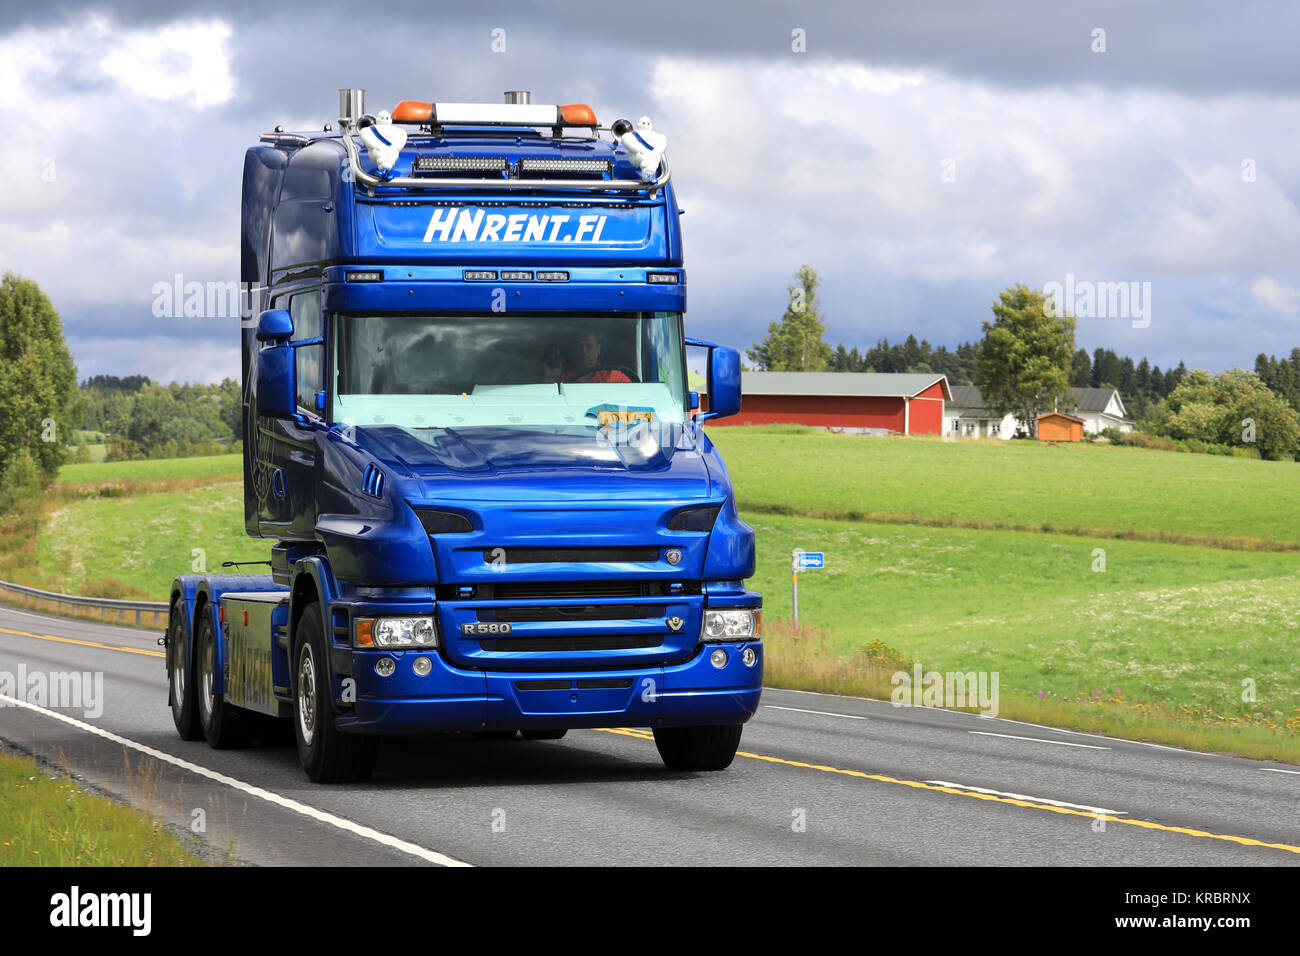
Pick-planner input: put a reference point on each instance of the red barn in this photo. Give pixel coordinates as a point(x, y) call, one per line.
point(909, 404)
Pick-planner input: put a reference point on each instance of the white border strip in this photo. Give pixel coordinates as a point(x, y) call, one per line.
point(1021, 796)
point(1037, 740)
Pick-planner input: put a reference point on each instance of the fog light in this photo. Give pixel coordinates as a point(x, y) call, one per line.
point(422, 666)
point(385, 666)
point(718, 658)
point(749, 656)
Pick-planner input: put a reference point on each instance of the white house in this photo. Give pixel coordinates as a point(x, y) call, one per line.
point(967, 415)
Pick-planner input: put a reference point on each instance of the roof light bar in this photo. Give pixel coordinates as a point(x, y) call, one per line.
point(494, 114)
point(461, 163)
point(564, 165)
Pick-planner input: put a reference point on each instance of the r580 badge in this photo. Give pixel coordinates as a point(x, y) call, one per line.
point(485, 627)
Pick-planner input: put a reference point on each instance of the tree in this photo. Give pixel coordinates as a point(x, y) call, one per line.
point(1081, 370)
point(1232, 408)
point(795, 343)
point(38, 380)
point(1025, 360)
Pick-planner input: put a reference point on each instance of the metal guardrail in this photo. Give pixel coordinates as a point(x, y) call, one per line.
point(146, 613)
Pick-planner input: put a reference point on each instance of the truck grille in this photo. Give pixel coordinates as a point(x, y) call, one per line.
point(571, 612)
point(568, 590)
point(546, 644)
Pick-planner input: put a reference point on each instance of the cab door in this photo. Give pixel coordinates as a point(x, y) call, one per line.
point(286, 449)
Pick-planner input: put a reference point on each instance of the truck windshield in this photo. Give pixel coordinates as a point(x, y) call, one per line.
point(518, 369)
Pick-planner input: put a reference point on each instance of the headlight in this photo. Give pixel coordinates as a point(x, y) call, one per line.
point(396, 632)
point(730, 625)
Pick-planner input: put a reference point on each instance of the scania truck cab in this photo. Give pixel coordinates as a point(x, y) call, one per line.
point(491, 503)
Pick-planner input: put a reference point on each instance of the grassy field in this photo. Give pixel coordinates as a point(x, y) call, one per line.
point(210, 466)
point(957, 555)
point(1104, 491)
point(132, 547)
point(1171, 625)
point(52, 822)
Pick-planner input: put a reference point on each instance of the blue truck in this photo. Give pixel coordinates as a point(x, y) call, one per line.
point(471, 442)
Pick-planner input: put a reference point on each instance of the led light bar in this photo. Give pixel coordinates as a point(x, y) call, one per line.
point(479, 275)
point(461, 163)
point(516, 276)
point(369, 276)
point(564, 165)
point(552, 277)
point(661, 278)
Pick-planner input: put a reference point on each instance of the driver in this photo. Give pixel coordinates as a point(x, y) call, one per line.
point(583, 362)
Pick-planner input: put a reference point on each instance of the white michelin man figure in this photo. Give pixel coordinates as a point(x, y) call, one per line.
point(383, 140)
point(644, 146)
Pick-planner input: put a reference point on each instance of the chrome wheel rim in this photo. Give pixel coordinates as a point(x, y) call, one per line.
point(178, 671)
point(306, 696)
point(205, 680)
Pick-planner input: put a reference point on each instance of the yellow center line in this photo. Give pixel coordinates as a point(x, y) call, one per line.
point(919, 785)
point(69, 640)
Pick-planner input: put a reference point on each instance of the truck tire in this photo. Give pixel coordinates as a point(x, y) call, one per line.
point(180, 677)
point(327, 754)
point(543, 734)
point(698, 748)
point(224, 725)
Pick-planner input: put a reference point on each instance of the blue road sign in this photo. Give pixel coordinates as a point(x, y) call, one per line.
point(809, 559)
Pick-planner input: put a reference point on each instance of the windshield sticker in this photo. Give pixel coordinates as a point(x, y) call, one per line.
point(621, 414)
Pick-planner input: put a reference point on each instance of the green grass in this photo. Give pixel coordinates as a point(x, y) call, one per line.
point(209, 466)
point(132, 547)
point(1168, 625)
point(1104, 491)
point(53, 822)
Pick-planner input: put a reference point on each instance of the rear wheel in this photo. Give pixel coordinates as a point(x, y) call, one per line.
point(543, 734)
point(180, 693)
point(698, 748)
point(327, 754)
point(224, 725)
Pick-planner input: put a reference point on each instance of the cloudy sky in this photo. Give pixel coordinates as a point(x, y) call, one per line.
point(922, 156)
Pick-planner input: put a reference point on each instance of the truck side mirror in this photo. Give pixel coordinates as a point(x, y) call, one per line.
point(724, 383)
point(274, 366)
point(274, 325)
point(724, 380)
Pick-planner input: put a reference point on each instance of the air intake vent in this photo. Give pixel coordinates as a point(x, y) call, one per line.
point(570, 555)
point(373, 482)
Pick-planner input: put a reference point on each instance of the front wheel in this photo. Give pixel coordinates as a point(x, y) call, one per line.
point(698, 748)
point(327, 754)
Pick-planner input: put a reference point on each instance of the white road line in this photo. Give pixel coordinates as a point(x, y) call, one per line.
point(392, 842)
point(1278, 770)
point(1037, 740)
point(821, 713)
point(1021, 796)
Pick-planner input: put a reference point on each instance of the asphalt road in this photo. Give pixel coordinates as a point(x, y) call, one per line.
point(821, 780)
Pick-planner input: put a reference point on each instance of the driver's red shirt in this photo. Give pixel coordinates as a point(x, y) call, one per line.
point(608, 375)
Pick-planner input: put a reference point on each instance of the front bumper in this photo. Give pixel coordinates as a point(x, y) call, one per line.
point(449, 698)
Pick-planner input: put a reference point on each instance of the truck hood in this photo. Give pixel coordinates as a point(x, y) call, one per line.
point(558, 463)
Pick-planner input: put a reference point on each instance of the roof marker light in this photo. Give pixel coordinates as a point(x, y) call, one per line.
point(662, 278)
point(373, 276)
point(516, 276)
point(479, 275)
point(412, 111)
point(577, 114)
point(552, 277)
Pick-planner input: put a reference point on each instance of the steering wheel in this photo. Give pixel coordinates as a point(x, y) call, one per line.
point(632, 376)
